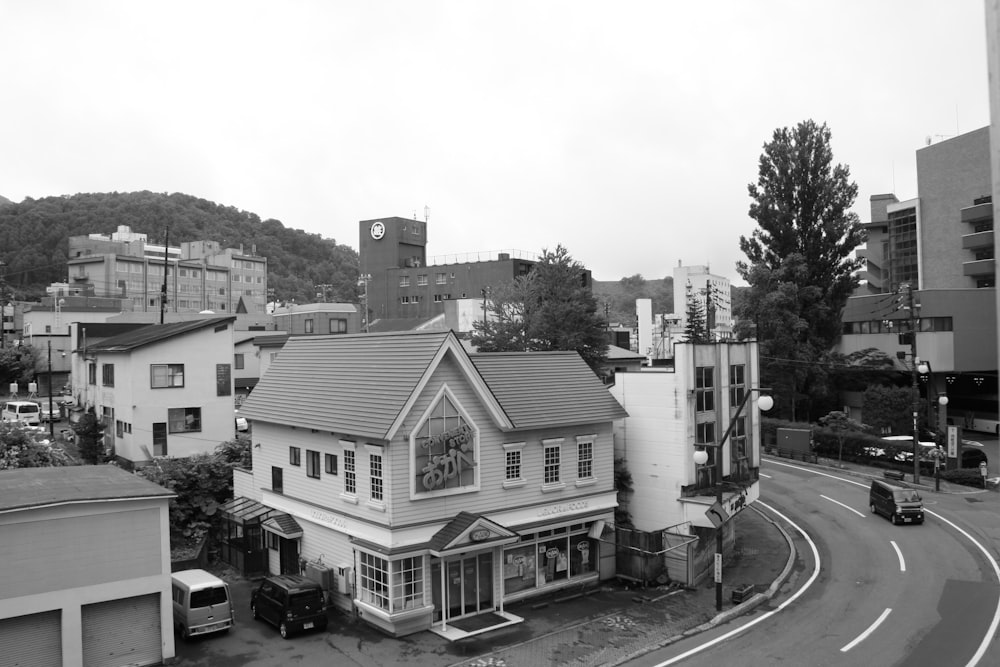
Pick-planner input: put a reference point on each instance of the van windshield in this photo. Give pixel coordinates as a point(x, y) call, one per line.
point(306, 601)
point(206, 597)
point(906, 496)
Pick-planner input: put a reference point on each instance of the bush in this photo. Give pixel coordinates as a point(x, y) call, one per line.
point(966, 476)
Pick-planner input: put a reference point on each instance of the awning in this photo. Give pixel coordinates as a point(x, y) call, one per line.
point(283, 525)
point(245, 510)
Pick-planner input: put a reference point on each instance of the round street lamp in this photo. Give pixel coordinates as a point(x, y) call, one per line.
point(700, 457)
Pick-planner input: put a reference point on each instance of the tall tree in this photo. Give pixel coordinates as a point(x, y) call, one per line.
point(800, 268)
point(695, 329)
point(555, 308)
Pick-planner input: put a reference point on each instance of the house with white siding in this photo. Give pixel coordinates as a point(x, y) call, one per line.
point(163, 389)
point(428, 485)
point(84, 568)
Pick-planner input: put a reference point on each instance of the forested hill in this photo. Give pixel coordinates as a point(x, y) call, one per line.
point(34, 240)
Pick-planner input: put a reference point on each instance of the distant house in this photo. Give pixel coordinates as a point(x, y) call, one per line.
point(163, 389)
point(252, 355)
point(84, 568)
point(430, 484)
point(310, 319)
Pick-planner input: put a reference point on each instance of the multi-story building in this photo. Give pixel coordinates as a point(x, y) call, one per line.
point(399, 283)
point(200, 275)
point(434, 484)
point(930, 268)
point(711, 291)
point(317, 318)
point(85, 578)
point(162, 389)
point(673, 411)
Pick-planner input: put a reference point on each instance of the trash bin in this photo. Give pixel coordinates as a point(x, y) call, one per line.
point(742, 593)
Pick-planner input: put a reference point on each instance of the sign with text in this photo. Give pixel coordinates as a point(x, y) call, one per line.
point(952, 442)
point(718, 568)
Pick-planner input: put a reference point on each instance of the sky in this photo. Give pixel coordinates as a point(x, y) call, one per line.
point(625, 131)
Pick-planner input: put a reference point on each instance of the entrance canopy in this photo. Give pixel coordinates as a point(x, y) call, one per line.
point(469, 531)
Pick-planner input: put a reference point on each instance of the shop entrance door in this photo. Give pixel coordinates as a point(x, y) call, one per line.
point(468, 588)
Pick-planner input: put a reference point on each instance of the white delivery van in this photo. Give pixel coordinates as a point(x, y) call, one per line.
point(26, 412)
point(202, 603)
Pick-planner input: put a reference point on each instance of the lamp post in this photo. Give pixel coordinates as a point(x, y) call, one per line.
point(52, 424)
point(764, 403)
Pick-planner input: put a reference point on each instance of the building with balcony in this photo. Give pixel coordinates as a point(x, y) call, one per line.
point(937, 247)
point(432, 484)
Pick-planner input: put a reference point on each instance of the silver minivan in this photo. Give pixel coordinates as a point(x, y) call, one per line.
point(26, 412)
point(202, 603)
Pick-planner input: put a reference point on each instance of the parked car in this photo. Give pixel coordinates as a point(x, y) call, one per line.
point(291, 603)
point(48, 414)
point(903, 445)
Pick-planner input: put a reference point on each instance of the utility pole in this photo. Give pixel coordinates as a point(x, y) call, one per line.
point(163, 290)
point(914, 390)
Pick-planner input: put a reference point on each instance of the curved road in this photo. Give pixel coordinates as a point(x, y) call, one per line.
point(914, 595)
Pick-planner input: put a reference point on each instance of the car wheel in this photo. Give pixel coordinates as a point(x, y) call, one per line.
point(892, 518)
point(253, 612)
point(283, 629)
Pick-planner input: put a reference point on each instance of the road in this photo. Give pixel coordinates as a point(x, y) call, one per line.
point(883, 595)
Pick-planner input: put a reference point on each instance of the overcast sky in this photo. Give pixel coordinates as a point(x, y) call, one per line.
point(626, 131)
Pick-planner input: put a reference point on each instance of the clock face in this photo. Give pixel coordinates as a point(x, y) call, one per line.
point(378, 230)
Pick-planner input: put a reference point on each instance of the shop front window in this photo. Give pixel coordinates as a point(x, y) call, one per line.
point(549, 557)
point(519, 569)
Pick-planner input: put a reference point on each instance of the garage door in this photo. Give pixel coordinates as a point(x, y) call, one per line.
point(122, 632)
point(32, 641)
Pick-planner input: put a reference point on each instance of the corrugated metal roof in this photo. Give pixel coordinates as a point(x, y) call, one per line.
point(155, 333)
point(544, 389)
point(24, 488)
point(356, 384)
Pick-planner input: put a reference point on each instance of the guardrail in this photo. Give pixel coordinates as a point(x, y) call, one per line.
point(793, 454)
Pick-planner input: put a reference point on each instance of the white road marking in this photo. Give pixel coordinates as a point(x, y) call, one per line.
point(995, 623)
point(764, 617)
point(765, 476)
point(864, 635)
point(842, 505)
point(902, 562)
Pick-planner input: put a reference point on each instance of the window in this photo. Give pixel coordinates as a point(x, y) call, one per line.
point(408, 583)
point(238, 361)
point(705, 432)
point(312, 464)
point(166, 375)
point(737, 384)
point(331, 464)
point(108, 375)
point(421, 281)
point(159, 439)
point(373, 578)
point(273, 542)
point(91, 373)
point(350, 473)
point(704, 391)
point(338, 326)
point(441, 279)
point(309, 326)
point(513, 465)
point(404, 281)
point(437, 298)
point(295, 456)
point(375, 472)
point(277, 485)
point(585, 459)
point(119, 428)
point(404, 299)
point(184, 420)
point(551, 462)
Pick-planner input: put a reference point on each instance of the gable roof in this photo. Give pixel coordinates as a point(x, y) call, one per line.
point(155, 333)
point(357, 384)
point(542, 389)
point(24, 488)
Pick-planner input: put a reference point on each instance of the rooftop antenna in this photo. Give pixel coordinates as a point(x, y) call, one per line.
point(427, 213)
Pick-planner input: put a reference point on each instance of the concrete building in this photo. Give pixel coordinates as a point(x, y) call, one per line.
point(85, 574)
point(712, 291)
point(310, 319)
point(673, 411)
point(430, 484)
point(162, 389)
point(200, 275)
point(930, 268)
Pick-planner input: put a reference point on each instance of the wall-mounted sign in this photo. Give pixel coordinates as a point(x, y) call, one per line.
point(445, 448)
point(480, 535)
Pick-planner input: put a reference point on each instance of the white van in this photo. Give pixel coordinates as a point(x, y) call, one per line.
point(202, 603)
point(26, 412)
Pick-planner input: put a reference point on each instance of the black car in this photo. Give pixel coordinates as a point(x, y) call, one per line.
point(291, 603)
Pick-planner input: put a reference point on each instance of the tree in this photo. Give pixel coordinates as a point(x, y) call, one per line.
point(800, 268)
point(838, 422)
point(695, 329)
point(552, 308)
point(18, 364)
point(888, 409)
point(22, 447)
point(90, 438)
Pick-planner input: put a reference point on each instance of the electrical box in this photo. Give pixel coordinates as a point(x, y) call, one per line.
point(344, 579)
point(321, 575)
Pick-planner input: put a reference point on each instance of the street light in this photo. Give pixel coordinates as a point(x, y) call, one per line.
point(764, 403)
